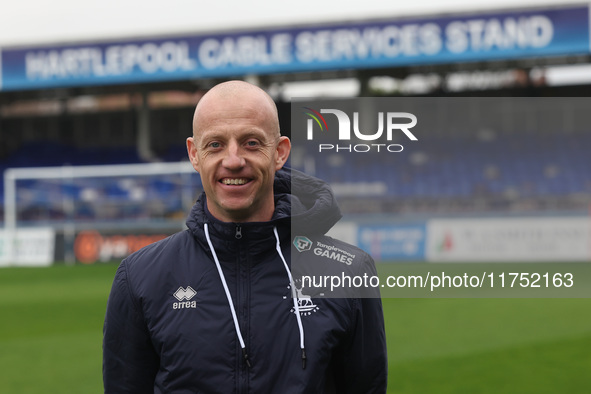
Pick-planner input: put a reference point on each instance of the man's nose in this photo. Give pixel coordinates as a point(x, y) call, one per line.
point(233, 158)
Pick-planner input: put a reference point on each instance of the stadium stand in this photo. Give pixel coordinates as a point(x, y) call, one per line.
point(472, 172)
point(50, 116)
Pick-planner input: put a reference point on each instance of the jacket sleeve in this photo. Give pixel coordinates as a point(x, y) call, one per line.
point(130, 363)
point(362, 360)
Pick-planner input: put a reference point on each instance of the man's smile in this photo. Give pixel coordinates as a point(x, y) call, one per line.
point(235, 181)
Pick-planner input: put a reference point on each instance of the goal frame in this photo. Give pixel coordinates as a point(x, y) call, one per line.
point(13, 175)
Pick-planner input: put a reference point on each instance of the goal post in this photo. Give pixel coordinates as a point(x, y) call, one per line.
point(111, 190)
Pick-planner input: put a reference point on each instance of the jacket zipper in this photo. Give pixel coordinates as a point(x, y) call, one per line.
point(242, 304)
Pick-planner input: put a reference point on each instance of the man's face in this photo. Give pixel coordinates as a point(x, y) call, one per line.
point(237, 149)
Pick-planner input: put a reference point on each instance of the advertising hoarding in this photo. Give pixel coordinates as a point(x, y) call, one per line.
point(370, 44)
point(509, 239)
point(33, 247)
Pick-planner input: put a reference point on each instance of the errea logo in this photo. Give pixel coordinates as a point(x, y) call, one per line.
point(302, 243)
point(184, 295)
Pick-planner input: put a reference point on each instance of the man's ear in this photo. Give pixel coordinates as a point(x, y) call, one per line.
point(283, 150)
point(192, 152)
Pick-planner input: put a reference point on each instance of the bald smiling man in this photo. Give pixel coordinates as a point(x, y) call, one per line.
point(215, 308)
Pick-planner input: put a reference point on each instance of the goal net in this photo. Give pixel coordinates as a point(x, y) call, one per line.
point(72, 198)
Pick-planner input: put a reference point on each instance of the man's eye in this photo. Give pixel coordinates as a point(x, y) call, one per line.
point(214, 145)
point(252, 143)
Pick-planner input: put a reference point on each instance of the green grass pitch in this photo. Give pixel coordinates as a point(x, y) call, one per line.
point(51, 331)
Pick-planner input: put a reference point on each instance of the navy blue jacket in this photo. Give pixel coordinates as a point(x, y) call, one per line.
point(169, 327)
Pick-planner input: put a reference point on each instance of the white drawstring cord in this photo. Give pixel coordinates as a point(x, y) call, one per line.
point(228, 296)
point(294, 297)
